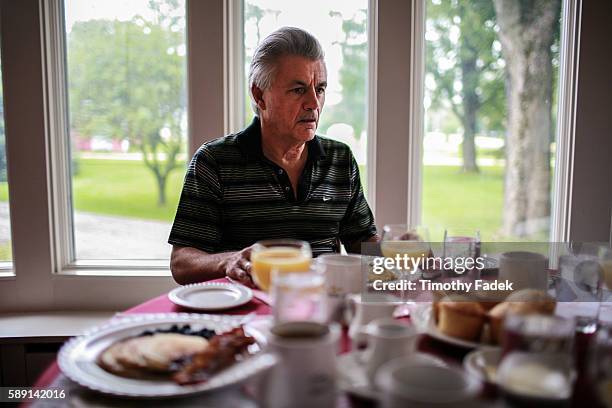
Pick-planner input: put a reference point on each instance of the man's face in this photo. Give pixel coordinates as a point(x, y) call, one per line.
point(292, 105)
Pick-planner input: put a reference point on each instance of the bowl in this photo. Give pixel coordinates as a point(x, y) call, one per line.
point(406, 382)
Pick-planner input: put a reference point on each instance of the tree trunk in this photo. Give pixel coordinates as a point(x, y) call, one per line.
point(161, 188)
point(526, 36)
point(470, 109)
point(468, 55)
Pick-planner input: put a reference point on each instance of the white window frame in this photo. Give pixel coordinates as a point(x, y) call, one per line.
point(43, 282)
point(235, 104)
point(45, 276)
point(58, 128)
point(565, 135)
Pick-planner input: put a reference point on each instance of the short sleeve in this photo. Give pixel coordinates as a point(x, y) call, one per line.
point(198, 220)
point(358, 222)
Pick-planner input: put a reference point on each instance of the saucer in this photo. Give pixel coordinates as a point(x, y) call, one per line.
point(352, 377)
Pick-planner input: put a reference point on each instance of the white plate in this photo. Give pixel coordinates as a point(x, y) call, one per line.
point(422, 318)
point(77, 358)
point(211, 296)
point(352, 377)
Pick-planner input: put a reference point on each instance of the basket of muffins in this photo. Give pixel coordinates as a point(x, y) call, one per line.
point(478, 317)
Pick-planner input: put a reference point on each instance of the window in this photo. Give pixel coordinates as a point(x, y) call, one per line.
point(490, 98)
point(341, 28)
point(6, 254)
point(127, 109)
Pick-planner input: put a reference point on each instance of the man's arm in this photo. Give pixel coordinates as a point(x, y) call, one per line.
point(191, 265)
point(355, 247)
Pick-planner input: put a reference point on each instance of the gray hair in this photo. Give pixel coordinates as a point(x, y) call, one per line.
point(282, 42)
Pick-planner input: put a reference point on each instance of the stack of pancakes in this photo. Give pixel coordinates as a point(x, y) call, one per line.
point(144, 356)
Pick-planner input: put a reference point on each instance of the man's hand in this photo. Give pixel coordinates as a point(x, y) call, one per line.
point(191, 265)
point(238, 266)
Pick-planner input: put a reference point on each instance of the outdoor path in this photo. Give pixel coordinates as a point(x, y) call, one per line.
point(110, 237)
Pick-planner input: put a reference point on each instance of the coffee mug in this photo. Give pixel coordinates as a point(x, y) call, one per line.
point(342, 277)
point(306, 373)
point(342, 273)
point(524, 269)
point(365, 312)
point(387, 339)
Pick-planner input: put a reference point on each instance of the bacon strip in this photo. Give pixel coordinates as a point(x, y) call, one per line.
point(220, 353)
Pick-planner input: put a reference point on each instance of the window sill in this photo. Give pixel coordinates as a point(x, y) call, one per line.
point(46, 325)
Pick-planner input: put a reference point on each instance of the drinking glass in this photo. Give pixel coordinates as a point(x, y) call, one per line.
point(461, 243)
point(537, 358)
point(603, 364)
point(406, 242)
point(579, 289)
point(299, 296)
point(410, 245)
point(282, 255)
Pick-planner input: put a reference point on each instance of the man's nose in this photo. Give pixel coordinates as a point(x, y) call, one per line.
point(311, 101)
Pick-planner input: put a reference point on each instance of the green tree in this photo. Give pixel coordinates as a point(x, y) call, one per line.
point(353, 73)
point(465, 67)
point(126, 81)
point(253, 14)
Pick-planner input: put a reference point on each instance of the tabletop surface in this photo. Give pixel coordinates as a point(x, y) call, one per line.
point(232, 397)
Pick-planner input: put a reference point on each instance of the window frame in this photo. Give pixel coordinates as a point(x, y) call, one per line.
point(565, 130)
point(212, 29)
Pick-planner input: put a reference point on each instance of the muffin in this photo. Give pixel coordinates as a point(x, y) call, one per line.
point(488, 299)
point(522, 302)
point(461, 319)
point(528, 300)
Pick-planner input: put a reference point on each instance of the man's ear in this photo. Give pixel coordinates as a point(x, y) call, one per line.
point(258, 96)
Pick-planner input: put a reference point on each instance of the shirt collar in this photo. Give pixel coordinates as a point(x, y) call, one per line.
point(249, 141)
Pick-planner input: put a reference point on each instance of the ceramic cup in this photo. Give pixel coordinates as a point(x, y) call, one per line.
point(342, 277)
point(387, 339)
point(524, 269)
point(363, 312)
point(306, 373)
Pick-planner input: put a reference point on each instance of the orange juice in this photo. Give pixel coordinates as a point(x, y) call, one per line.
point(413, 249)
point(282, 259)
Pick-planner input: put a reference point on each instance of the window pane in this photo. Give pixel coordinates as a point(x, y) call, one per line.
point(490, 117)
point(128, 124)
point(341, 28)
point(6, 253)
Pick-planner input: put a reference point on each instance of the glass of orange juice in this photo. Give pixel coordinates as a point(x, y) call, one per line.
point(280, 255)
point(409, 240)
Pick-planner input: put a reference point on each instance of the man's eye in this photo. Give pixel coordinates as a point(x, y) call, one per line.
point(298, 91)
point(321, 90)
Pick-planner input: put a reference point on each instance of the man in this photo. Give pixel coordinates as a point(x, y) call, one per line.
point(275, 179)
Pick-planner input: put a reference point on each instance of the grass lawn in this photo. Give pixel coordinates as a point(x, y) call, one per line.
point(127, 188)
point(454, 199)
point(121, 187)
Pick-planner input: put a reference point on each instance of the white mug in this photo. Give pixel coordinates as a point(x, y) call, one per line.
point(387, 339)
point(306, 373)
point(524, 269)
point(342, 277)
point(366, 311)
point(342, 273)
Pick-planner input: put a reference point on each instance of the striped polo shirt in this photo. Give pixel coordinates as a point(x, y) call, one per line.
point(234, 196)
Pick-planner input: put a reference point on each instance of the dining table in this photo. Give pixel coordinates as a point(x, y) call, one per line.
point(242, 395)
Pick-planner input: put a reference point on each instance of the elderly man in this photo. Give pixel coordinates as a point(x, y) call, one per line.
point(276, 178)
